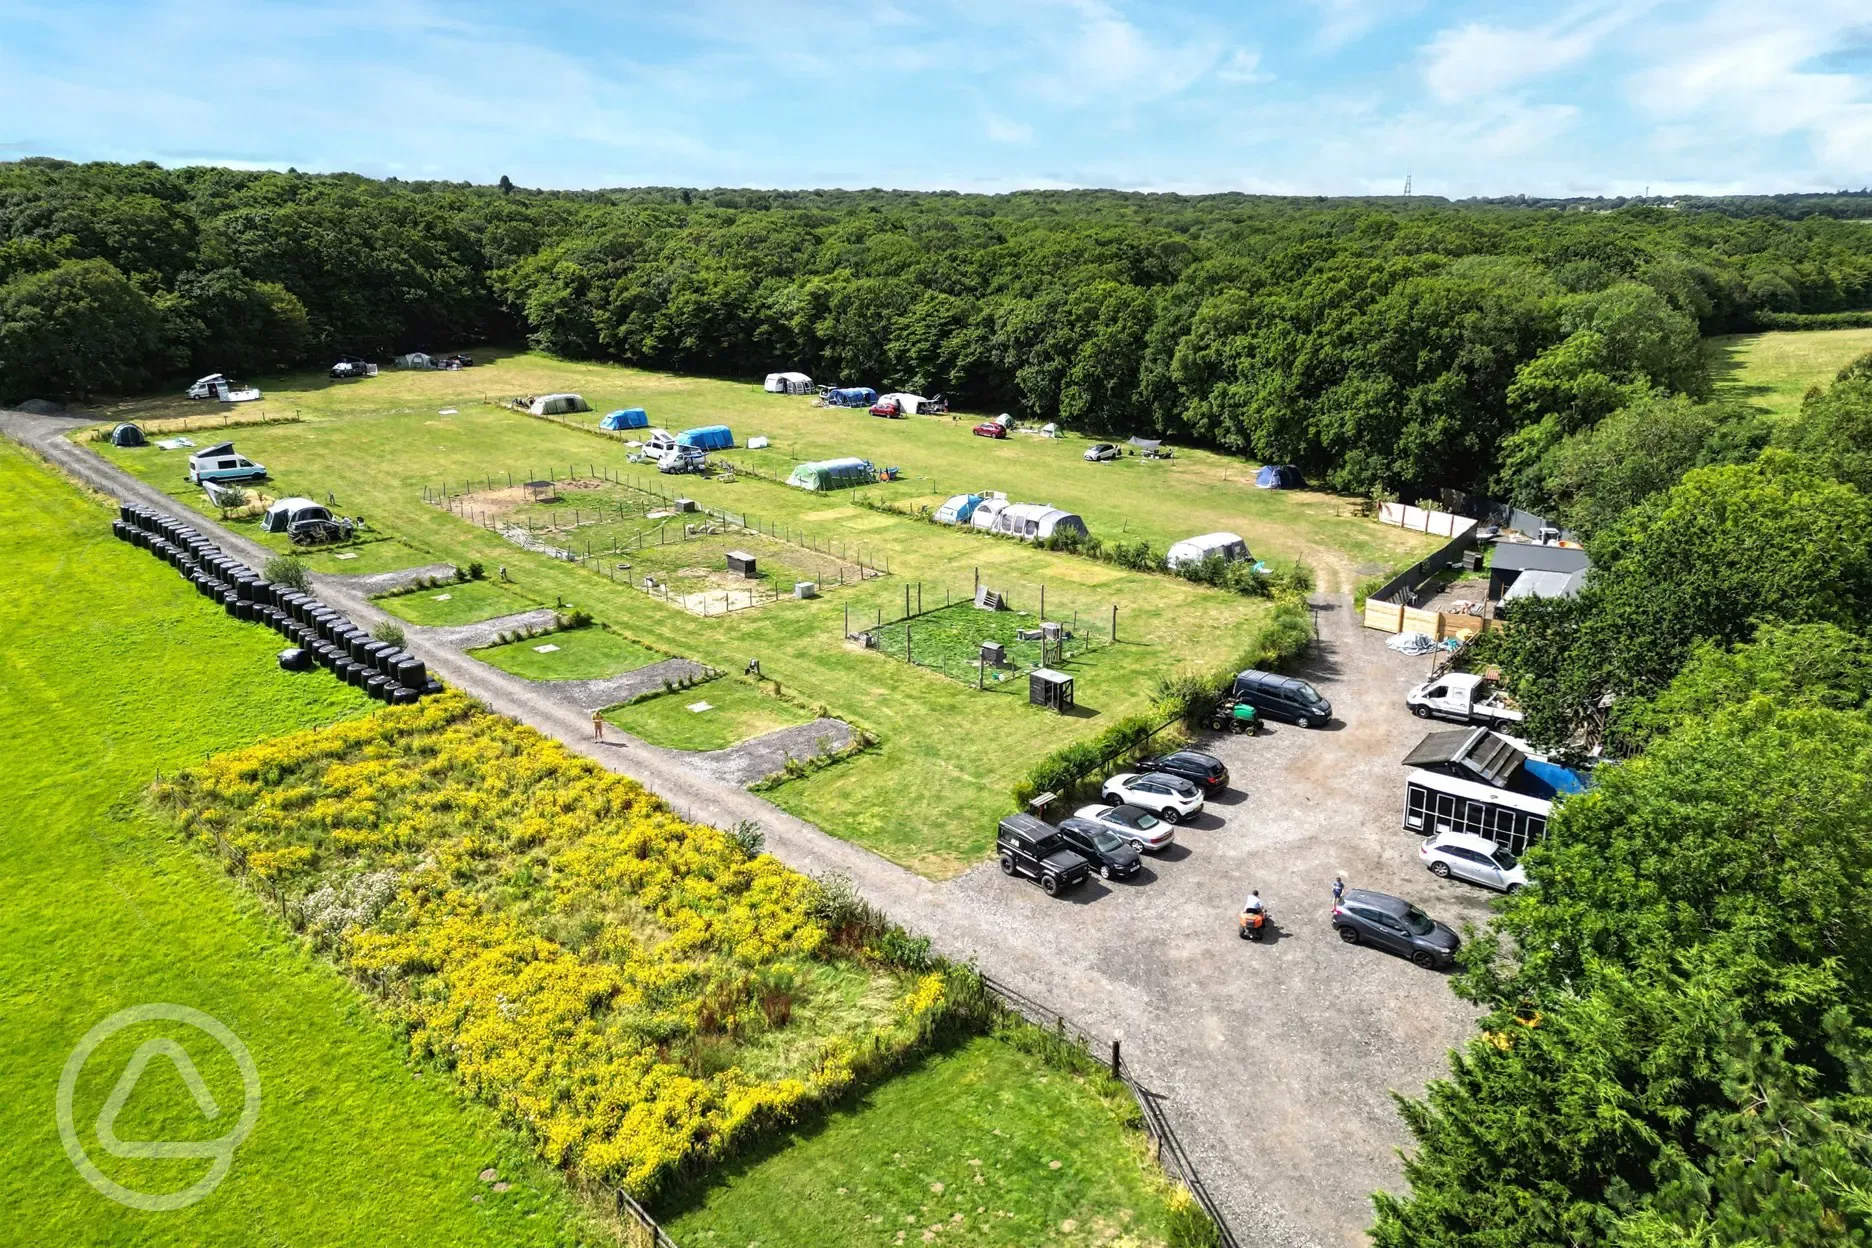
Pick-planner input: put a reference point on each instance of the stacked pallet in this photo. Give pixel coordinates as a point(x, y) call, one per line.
point(317, 632)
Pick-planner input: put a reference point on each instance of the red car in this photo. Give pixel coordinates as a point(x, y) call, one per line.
point(990, 429)
point(887, 407)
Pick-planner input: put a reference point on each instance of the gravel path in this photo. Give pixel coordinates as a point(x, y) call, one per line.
point(375, 583)
point(1274, 1061)
point(595, 695)
point(760, 757)
point(466, 636)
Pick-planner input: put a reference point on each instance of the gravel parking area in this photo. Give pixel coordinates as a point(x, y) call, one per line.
point(1279, 1057)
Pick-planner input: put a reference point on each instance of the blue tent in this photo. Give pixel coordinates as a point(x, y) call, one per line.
point(851, 396)
point(707, 438)
point(626, 418)
point(1280, 477)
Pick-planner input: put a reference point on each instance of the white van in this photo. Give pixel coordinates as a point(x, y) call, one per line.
point(659, 441)
point(220, 463)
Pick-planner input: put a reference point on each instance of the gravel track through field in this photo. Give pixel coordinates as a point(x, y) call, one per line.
point(1275, 1062)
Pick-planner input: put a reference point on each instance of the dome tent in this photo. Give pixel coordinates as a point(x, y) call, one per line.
point(625, 418)
point(128, 435)
point(1280, 477)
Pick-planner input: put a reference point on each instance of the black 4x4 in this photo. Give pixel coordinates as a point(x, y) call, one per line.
point(1108, 853)
point(1206, 771)
point(1033, 847)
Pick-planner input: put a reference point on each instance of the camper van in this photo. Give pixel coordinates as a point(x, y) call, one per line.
point(216, 386)
point(220, 463)
point(677, 458)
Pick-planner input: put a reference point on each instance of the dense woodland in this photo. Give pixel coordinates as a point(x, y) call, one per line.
point(1381, 344)
point(1677, 1050)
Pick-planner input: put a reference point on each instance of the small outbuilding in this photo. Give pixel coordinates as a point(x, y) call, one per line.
point(1230, 547)
point(788, 383)
point(1279, 477)
point(1557, 571)
point(742, 564)
point(1048, 688)
point(625, 418)
point(851, 396)
point(834, 474)
point(128, 435)
point(557, 405)
point(959, 509)
point(707, 438)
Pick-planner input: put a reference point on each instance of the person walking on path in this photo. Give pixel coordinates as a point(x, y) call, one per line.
point(1338, 889)
point(598, 725)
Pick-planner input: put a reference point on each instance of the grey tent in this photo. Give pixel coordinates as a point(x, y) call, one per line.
point(834, 474)
point(128, 435)
point(557, 405)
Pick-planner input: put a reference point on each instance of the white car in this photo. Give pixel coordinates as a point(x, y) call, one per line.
point(1103, 451)
point(1138, 828)
point(1477, 859)
point(1171, 798)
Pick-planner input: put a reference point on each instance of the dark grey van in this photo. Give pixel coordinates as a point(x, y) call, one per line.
point(1283, 697)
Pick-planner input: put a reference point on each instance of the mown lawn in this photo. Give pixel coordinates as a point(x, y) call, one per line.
point(112, 671)
point(581, 654)
point(466, 602)
point(944, 747)
point(736, 711)
point(979, 1145)
point(1774, 370)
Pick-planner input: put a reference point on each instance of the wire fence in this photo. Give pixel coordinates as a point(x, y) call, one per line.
point(1166, 1146)
point(637, 530)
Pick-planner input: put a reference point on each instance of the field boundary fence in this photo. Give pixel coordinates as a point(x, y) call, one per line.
point(1166, 1146)
point(848, 563)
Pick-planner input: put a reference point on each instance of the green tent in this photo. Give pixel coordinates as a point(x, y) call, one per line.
point(834, 474)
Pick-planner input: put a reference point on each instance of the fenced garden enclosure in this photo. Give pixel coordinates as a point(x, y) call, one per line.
point(945, 629)
point(639, 531)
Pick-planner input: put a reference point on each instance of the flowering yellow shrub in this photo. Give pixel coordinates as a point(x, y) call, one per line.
point(580, 957)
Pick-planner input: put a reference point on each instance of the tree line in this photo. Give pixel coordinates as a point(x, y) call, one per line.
point(1384, 345)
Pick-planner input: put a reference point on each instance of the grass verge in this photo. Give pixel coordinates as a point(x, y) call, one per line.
point(582, 654)
point(737, 711)
point(467, 602)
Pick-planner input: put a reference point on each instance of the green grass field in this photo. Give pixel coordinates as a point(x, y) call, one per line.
point(981, 1144)
point(738, 710)
point(467, 602)
point(1774, 370)
point(380, 444)
point(949, 640)
point(112, 671)
point(582, 654)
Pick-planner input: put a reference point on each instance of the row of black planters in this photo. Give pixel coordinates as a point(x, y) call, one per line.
point(318, 633)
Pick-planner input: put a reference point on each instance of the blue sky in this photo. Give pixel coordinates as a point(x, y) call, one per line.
point(1311, 96)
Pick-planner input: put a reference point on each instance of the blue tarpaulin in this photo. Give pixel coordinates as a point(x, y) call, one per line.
point(626, 418)
point(1544, 779)
point(707, 438)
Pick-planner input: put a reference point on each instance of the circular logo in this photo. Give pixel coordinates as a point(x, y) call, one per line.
point(219, 1151)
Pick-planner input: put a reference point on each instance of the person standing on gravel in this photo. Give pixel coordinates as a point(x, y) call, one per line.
point(598, 725)
point(1338, 889)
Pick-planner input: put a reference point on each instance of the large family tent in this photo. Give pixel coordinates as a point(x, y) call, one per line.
point(958, 510)
point(789, 383)
point(707, 438)
point(1228, 546)
point(415, 359)
point(851, 396)
point(128, 435)
point(908, 404)
point(1034, 522)
point(1280, 477)
point(557, 405)
point(834, 474)
point(625, 418)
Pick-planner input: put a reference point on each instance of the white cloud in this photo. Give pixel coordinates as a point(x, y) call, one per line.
point(1244, 66)
point(1476, 60)
point(1347, 21)
point(1001, 130)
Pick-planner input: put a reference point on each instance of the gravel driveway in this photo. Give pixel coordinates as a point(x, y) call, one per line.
point(1274, 1061)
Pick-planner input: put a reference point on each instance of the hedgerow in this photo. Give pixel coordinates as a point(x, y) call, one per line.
point(618, 982)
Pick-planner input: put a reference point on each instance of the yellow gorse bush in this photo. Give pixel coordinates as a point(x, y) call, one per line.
point(580, 957)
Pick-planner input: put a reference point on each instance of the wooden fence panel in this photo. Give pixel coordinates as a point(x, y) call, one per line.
point(1386, 617)
point(1418, 620)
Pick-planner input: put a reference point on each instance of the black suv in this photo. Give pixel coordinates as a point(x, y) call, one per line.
point(1033, 847)
point(1363, 917)
point(1283, 697)
point(1205, 771)
point(1110, 854)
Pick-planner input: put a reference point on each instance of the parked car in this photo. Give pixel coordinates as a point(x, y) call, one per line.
point(1099, 452)
point(890, 408)
point(1113, 857)
point(1387, 922)
point(1172, 798)
point(1137, 827)
point(455, 361)
point(350, 367)
point(1034, 848)
point(1474, 858)
point(1205, 771)
point(1282, 697)
point(989, 429)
